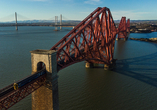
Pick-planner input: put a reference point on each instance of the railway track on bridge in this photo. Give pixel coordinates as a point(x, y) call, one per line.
point(20, 89)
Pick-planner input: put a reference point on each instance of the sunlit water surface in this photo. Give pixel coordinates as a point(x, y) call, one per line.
point(131, 86)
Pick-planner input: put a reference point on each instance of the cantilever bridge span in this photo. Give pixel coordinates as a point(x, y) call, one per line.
point(92, 40)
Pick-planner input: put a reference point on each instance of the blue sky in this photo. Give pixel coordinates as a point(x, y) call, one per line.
point(77, 9)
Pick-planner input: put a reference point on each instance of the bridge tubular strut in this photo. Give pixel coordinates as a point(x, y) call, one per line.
point(17, 95)
point(93, 38)
point(123, 28)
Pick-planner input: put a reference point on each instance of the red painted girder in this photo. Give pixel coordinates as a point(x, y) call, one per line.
point(122, 28)
point(15, 96)
point(97, 46)
point(75, 28)
point(78, 32)
point(93, 38)
point(128, 26)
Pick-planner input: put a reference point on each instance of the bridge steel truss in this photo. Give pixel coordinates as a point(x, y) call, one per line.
point(14, 96)
point(123, 28)
point(92, 40)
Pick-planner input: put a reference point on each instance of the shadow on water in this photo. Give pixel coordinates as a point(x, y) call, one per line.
point(142, 68)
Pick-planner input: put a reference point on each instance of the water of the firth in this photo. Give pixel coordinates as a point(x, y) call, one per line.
point(131, 86)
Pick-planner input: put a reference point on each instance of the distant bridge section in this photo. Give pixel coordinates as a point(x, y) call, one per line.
point(37, 24)
point(54, 23)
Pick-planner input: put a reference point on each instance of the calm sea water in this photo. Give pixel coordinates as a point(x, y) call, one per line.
point(131, 86)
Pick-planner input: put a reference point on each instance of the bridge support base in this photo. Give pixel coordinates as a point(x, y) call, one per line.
point(110, 66)
point(46, 97)
point(117, 38)
point(89, 65)
point(120, 38)
point(106, 67)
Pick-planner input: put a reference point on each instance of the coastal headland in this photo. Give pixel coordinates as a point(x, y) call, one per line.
point(145, 39)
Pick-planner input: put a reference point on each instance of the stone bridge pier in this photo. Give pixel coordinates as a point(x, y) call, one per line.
point(46, 97)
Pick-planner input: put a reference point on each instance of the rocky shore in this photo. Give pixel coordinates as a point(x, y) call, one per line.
point(145, 39)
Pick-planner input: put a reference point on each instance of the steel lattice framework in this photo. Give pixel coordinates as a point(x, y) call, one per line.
point(15, 96)
point(128, 26)
point(92, 40)
point(123, 28)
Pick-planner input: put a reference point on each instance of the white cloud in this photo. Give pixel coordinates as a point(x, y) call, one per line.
point(92, 2)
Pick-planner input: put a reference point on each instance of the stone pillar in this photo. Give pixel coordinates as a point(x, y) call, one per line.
point(46, 97)
point(110, 66)
point(106, 67)
point(88, 65)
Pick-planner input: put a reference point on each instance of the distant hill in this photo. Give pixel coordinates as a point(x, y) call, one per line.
point(41, 21)
point(70, 22)
point(77, 21)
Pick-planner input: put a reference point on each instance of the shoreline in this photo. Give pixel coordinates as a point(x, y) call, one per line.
point(145, 39)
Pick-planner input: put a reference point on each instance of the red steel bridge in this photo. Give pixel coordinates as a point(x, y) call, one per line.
point(92, 40)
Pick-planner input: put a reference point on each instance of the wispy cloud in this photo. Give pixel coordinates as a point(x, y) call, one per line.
point(92, 2)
